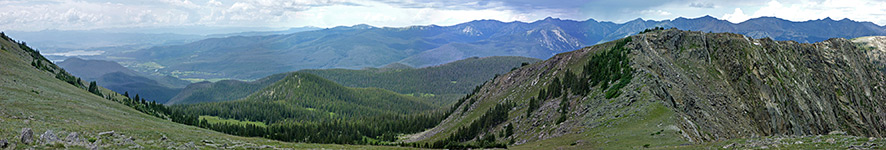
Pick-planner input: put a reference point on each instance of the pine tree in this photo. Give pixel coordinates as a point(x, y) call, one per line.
point(93, 88)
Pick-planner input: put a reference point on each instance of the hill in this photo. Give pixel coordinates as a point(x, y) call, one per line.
point(308, 97)
point(302, 107)
point(458, 77)
point(120, 79)
point(444, 83)
point(224, 90)
point(361, 46)
point(38, 98)
point(678, 89)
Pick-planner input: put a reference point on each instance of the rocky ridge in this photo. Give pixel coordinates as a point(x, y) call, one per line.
point(694, 87)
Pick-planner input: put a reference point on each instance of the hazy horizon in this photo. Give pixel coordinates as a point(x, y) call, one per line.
point(224, 16)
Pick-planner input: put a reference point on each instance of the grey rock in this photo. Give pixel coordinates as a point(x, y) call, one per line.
point(136, 146)
point(27, 136)
point(4, 143)
point(190, 145)
point(48, 137)
point(129, 141)
point(73, 137)
point(207, 141)
point(108, 133)
point(837, 132)
point(267, 147)
point(729, 146)
point(163, 138)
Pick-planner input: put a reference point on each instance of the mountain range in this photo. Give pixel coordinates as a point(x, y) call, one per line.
point(446, 82)
point(661, 88)
point(361, 46)
point(120, 79)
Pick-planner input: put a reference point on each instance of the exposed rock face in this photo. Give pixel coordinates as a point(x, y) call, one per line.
point(715, 86)
point(48, 137)
point(27, 136)
point(729, 86)
point(875, 48)
point(73, 138)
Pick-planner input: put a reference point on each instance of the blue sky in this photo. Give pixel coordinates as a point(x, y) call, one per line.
point(32, 15)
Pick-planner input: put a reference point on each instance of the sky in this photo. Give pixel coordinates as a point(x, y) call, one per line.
point(35, 15)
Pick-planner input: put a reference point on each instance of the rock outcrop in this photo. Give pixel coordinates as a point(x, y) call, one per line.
point(714, 86)
point(48, 137)
point(730, 86)
point(27, 136)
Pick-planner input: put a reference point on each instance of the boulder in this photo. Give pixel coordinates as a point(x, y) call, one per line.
point(108, 133)
point(4, 143)
point(73, 138)
point(48, 137)
point(27, 136)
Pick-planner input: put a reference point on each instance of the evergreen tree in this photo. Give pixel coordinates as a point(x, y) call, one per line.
point(93, 88)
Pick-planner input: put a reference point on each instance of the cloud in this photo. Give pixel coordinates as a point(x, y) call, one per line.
point(809, 10)
point(736, 16)
point(97, 14)
point(701, 5)
point(656, 12)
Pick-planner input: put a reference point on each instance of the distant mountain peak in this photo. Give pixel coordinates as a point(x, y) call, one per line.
point(551, 18)
point(707, 17)
point(362, 26)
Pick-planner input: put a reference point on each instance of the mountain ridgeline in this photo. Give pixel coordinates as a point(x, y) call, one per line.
point(666, 88)
point(224, 90)
point(446, 82)
point(120, 79)
point(361, 46)
point(458, 77)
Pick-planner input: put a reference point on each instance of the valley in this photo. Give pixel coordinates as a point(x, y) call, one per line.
point(686, 83)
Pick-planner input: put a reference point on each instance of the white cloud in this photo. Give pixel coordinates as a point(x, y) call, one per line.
point(94, 14)
point(656, 12)
point(803, 10)
point(736, 16)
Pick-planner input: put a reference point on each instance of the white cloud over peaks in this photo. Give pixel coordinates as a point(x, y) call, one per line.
point(30, 15)
point(736, 16)
point(803, 10)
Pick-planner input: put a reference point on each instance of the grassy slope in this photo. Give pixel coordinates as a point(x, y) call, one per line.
point(55, 105)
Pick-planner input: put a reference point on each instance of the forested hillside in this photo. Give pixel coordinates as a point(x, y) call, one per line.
point(443, 84)
point(458, 77)
point(303, 107)
point(224, 90)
